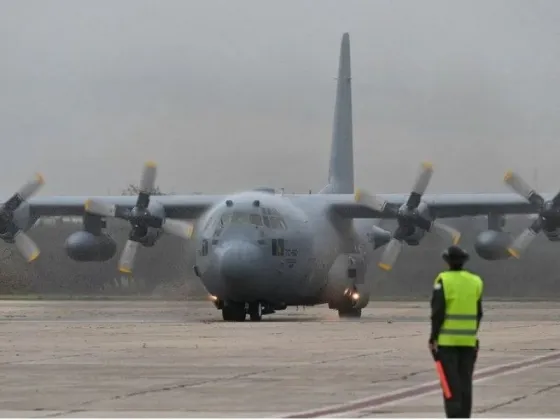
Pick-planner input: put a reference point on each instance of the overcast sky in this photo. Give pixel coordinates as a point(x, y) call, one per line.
point(233, 94)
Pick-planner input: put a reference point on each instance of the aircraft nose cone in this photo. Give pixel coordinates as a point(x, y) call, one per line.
point(241, 269)
point(240, 261)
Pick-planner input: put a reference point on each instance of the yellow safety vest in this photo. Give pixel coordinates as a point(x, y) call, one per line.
point(462, 291)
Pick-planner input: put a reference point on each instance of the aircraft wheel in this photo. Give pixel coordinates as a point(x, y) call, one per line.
point(234, 312)
point(350, 313)
point(255, 311)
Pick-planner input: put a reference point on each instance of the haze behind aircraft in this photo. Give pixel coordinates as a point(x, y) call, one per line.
point(258, 252)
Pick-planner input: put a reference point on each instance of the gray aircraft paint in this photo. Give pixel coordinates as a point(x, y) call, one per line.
point(325, 229)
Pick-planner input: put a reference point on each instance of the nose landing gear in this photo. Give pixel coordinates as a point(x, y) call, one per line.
point(255, 311)
point(237, 312)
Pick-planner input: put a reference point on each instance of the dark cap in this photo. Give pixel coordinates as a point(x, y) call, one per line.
point(455, 254)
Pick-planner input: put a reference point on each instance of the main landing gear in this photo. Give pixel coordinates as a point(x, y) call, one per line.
point(347, 308)
point(349, 312)
point(237, 312)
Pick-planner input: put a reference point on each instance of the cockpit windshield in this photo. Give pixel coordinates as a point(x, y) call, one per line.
point(240, 217)
point(270, 218)
point(256, 219)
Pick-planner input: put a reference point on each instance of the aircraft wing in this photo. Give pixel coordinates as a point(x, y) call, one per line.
point(176, 206)
point(382, 206)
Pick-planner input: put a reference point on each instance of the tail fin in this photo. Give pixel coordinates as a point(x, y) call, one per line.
point(341, 168)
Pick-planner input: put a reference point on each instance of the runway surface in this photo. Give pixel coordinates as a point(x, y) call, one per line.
point(159, 359)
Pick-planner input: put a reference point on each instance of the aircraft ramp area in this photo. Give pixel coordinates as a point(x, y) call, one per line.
point(173, 359)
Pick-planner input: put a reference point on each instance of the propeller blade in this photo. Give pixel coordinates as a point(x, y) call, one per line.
point(31, 187)
point(390, 254)
point(523, 241)
point(100, 208)
point(178, 228)
point(423, 179)
point(368, 200)
point(126, 262)
point(522, 188)
point(443, 229)
point(26, 247)
point(420, 185)
point(148, 181)
point(26, 191)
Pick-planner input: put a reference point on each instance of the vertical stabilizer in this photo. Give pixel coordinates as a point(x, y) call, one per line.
point(341, 167)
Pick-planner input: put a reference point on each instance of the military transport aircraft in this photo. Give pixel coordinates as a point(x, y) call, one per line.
point(258, 251)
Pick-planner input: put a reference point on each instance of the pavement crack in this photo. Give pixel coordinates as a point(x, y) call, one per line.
point(519, 398)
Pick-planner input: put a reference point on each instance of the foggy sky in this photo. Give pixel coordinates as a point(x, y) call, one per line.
point(234, 94)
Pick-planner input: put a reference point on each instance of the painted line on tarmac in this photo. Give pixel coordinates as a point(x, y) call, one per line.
point(421, 390)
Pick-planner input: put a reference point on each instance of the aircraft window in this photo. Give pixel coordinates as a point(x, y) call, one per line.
point(269, 211)
point(225, 219)
point(277, 223)
point(278, 247)
point(240, 217)
point(204, 250)
point(256, 219)
point(266, 221)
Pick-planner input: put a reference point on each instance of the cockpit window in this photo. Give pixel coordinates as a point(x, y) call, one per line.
point(256, 219)
point(272, 219)
point(240, 217)
point(225, 219)
point(277, 223)
point(270, 211)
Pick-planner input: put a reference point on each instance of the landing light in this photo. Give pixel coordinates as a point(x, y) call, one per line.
point(355, 296)
point(212, 298)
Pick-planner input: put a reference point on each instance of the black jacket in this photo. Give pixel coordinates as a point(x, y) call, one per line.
point(438, 310)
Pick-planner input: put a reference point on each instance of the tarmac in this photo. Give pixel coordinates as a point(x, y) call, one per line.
point(179, 359)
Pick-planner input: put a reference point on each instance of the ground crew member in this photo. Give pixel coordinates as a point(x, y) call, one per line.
point(456, 315)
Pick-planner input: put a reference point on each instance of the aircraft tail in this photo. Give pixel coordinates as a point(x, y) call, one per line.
point(341, 167)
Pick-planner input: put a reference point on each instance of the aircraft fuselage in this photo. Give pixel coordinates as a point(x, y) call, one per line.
point(265, 248)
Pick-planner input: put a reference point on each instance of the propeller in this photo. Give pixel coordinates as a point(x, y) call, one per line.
point(12, 233)
point(408, 217)
point(140, 218)
point(548, 213)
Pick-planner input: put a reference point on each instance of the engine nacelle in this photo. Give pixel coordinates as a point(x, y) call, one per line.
point(492, 245)
point(85, 246)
